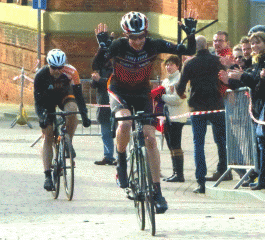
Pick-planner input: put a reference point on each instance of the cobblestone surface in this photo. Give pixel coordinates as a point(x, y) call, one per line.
point(99, 209)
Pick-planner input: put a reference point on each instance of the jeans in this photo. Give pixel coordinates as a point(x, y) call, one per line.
point(199, 128)
point(261, 145)
point(107, 140)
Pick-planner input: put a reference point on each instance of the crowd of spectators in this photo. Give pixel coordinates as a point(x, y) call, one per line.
point(210, 72)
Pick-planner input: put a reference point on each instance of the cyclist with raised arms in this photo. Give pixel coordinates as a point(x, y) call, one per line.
point(57, 84)
point(129, 85)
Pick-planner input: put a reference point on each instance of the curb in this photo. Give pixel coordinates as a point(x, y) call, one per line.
point(234, 194)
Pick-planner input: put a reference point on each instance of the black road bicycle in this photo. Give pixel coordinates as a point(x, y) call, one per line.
point(63, 161)
point(140, 188)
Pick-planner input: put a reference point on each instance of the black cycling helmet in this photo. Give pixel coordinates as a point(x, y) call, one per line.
point(257, 28)
point(134, 23)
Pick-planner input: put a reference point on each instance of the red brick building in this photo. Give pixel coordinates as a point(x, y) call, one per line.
point(69, 25)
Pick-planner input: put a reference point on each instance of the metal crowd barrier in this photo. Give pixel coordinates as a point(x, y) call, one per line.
point(240, 135)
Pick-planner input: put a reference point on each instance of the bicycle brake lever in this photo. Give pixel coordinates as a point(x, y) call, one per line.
point(113, 125)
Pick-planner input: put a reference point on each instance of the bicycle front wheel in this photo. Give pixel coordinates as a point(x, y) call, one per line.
point(136, 187)
point(149, 192)
point(56, 172)
point(68, 167)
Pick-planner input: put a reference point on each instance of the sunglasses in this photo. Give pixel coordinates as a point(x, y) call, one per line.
point(135, 37)
point(56, 68)
point(239, 57)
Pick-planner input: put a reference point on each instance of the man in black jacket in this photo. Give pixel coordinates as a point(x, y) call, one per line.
point(202, 72)
point(99, 82)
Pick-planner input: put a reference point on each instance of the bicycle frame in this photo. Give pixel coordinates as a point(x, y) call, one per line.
point(140, 178)
point(61, 138)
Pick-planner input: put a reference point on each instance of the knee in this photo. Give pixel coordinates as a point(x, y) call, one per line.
point(125, 126)
point(150, 142)
point(70, 107)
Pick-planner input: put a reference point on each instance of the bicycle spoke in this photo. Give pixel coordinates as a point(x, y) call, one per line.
point(56, 173)
point(149, 201)
point(68, 169)
point(135, 185)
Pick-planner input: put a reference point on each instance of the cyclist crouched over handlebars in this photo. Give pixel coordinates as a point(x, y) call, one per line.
point(129, 86)
point(57, 84)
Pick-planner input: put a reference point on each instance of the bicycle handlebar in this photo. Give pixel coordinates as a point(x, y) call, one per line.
point(137, 116)
point(63, 113)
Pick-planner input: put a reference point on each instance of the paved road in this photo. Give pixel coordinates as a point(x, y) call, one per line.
point(99, 209)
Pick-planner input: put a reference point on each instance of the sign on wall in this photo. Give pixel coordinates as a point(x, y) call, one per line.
point(39, 4)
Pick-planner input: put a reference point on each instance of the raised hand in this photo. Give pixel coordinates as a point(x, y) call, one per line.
point(95, 76)
point(190, 19)
point(103, 38)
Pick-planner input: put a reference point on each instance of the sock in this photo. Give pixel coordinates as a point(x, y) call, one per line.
point(48, 173)
point(121, 158)
point(157, 189)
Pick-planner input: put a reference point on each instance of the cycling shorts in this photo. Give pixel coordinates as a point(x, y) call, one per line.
point(60, 103)
point(133, 102)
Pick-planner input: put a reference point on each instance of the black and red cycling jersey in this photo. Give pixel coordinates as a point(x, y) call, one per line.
point(132, 69)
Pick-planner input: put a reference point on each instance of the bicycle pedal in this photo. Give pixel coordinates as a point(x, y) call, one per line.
point(128, 194)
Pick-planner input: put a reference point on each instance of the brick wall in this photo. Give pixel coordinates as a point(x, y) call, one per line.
point(207, 9)
point(18, 46)
point(98, 5)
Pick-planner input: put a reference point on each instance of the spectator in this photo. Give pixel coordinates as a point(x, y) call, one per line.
point(221, 44)
point(222, 49)
point(176, 106)
point(202, 71)
point(254, 79)
point(239, 61)
point(246, 48)
point(99, 82)
point(257, 28)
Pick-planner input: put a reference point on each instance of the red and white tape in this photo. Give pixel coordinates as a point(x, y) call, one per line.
point(97, 105)
point(26, 77)
point(188, 114)
point(250, 110)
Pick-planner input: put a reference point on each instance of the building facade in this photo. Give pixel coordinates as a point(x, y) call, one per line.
point(69, 25)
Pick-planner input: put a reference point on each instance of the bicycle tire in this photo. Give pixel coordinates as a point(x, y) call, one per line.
point(135, 185)
point(149, 192)
point(68, 168)
point(56, 172)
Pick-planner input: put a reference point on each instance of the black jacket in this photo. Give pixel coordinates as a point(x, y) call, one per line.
point(251, 78)
point(202, 71)
point(103, 113)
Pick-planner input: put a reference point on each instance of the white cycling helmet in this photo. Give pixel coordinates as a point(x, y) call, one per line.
point(56, 58)
point(134, 23)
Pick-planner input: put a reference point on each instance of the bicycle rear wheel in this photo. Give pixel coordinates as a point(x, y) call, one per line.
point(56, 172)
point(136, 187)
point(149, 192)
point(68, 168)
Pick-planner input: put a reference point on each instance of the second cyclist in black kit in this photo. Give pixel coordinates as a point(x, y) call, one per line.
point(129, 85)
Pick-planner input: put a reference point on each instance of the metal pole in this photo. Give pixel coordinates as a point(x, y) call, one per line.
point(39, 37)
point(22, 86)
point(179, 20)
